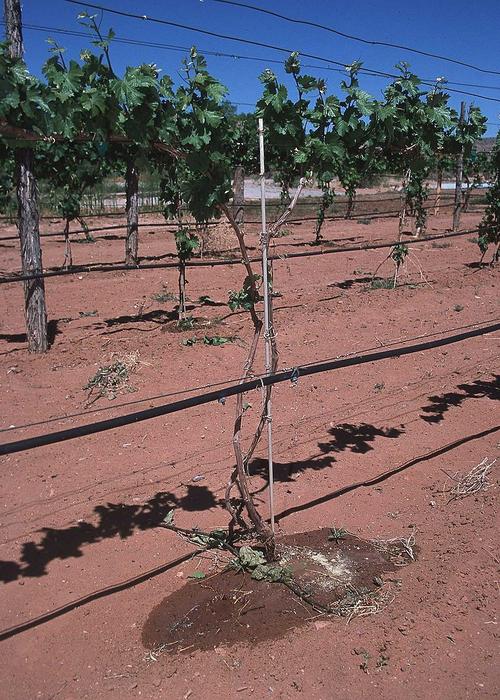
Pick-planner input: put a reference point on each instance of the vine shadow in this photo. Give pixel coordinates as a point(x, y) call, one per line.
point(14, 337)
point(479, 389)
point(476, 265)
point(114, 520)
point(157, 315)
point(285, 471)
point(110, 237)
point(345, 436)
point(349, 283)
point(384, 476)
point(356, 437)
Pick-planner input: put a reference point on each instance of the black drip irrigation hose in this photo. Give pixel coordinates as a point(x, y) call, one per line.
point(221, 395)
point(354, 217)
point(214, 385)
point(216, 263)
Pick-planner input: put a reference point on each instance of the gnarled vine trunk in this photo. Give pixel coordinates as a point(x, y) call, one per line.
point(12, 14)
point(326, 201)
point(85, 228)
point(468, 193)
point(439, 185)
point(404, 205)
point(239, 476)
point(351, 201)
point(182, 291)
point(457, 209)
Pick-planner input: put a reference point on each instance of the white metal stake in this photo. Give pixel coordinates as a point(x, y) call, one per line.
point(264, 239)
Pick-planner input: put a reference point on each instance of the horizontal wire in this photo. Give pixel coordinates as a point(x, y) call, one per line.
point(253, 42)
point(371, 42)
point(218, 54)
point(167, 224)
point(341, 199)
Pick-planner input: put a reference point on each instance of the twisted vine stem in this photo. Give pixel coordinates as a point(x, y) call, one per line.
point(240, 476)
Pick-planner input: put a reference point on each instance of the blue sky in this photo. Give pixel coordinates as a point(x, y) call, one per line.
point(461, 29)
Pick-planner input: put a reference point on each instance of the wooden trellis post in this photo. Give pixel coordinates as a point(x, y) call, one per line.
point(457, 209)
point(132, 209)
point(28, 215)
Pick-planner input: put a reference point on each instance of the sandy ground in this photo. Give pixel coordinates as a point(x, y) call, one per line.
point(361, 448)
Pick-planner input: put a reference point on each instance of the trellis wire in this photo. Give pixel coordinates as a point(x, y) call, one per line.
point(310, 202)
point(166, 224)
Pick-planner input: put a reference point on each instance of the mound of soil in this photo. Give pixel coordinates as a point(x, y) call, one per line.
point(231, 607)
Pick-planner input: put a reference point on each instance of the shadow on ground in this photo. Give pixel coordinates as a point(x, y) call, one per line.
point(114, 520)
point(52, 331)
point(348, 284)
point(122, 520)
point(479, 389)
point(157, 315)
point(380, 478)
point(345, 436)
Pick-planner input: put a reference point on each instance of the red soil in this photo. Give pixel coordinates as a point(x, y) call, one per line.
point(78, 517)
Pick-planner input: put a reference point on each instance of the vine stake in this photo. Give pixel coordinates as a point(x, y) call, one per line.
point(268, 331)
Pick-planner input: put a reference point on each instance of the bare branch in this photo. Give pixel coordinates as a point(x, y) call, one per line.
point(277, 224)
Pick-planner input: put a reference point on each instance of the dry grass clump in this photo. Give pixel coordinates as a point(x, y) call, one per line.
point(361, 604)
point(112, 379)
point(472, 482)
point(401, 550)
